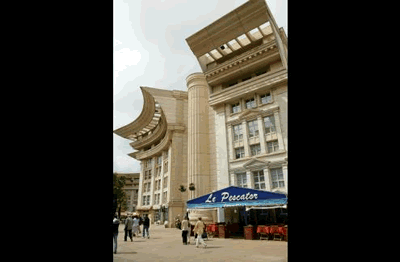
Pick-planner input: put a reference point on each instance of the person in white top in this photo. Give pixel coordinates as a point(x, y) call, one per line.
point(185, 230)
point(199, 229)
point(135, 226)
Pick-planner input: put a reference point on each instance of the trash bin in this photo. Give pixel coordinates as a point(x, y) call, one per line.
point(249, 232)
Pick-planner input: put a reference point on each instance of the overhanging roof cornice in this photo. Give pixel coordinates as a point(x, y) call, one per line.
point(145, 117)
point(237, 22)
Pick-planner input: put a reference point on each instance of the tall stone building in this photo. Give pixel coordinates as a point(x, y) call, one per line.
point(229, 128)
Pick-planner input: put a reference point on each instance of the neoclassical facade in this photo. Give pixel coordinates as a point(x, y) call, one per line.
point(229, 128)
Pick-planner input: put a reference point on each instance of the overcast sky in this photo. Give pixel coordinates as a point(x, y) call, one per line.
point(150, 50)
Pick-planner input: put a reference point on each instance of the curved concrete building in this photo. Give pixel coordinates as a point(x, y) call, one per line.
point(228, 128)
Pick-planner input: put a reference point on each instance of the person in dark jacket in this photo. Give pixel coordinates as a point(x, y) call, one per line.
point(115, 226)
point(146, 225)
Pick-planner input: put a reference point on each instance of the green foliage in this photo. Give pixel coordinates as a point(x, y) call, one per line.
point(118, 184)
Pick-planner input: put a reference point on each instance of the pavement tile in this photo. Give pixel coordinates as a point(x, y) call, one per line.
point(165, 244)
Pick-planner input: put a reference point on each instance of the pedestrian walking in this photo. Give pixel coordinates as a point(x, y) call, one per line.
point(146, 225)
point(128, 228)
point(140, 223)
point(135, 227)
point(185, 230)
point(199, 229)
point(115, 226)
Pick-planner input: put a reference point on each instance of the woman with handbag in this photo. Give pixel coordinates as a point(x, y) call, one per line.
point(199, 229)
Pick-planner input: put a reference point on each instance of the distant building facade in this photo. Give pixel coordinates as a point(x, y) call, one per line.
point(131, 189)
point(229, 128)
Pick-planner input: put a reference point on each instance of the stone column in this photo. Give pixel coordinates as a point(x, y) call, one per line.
point(245, 139)
point(140, 192)
point(198, 135)
point(233, 179)
point(250, 181)
point(275, 30)
point(153, 168)
point(230, 142)
point(261, 134)
point(279, 131)
point(267, 179)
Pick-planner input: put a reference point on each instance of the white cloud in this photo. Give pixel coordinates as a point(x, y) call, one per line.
point(124, 58)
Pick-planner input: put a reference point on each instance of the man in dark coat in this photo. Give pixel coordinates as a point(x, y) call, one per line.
point(146, 225)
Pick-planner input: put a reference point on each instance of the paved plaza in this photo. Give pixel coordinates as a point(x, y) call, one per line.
point(165, 244)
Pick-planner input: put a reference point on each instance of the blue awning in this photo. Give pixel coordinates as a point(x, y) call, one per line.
point(237, 196)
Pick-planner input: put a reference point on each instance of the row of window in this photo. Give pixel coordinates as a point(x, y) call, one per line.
point(159, 159)
point(259, 179)
point(157, 185)
point(251, 103)
point(252, 126)
point(156, 199)
point(272, 146)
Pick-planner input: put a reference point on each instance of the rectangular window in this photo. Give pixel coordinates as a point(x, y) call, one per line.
point(272, 146)
point(250, 103)
point(159, 160)
point(166, 166)
point(264, 99)
point(259, 181)
point(143, 200)
point(165, 185)
point(237, 132)
point(269, 124)
point(236, 108)
point(148, 200)
point(242, 180)
point(239, 152)
point(253, 128)
point(255, 149)
point(156, 199)
point(165, 197)
point(277, 177)
point(148, 163)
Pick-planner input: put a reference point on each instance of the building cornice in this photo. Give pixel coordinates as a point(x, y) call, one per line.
point(261, 53)
point(239, 90)
point(240, 20)
point(163, 145)
point(249, 114)
point(156, 134)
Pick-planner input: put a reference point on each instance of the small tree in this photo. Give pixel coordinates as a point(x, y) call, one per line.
point(118, 184)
